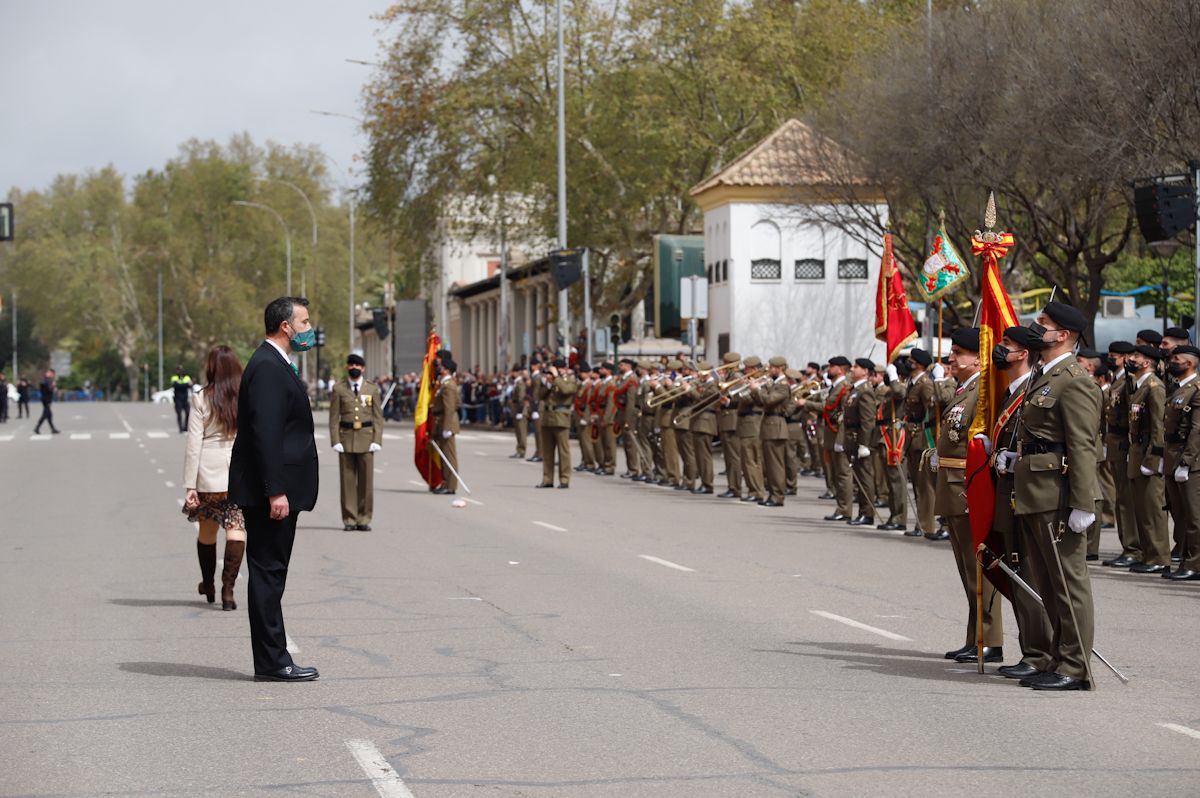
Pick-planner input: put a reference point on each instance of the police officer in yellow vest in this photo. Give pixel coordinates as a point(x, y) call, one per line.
point(356, 433)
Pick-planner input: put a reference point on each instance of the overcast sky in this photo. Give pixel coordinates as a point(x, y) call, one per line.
point(85, 83)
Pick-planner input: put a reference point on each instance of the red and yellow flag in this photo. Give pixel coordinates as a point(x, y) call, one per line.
point(428, 463)
point(894, 323)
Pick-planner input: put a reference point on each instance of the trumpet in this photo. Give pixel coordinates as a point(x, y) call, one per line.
point(806, 389)
point(684, 384)
point(725, 389)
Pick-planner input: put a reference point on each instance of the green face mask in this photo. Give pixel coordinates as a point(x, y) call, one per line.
point(304, 341)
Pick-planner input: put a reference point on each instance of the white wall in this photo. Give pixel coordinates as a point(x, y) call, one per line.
point(720, 291)
point(800, 319)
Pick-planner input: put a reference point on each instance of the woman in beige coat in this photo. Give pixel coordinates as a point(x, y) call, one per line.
point(212, 427)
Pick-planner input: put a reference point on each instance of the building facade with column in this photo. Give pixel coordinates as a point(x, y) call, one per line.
point(473, 313)
point(790, 270)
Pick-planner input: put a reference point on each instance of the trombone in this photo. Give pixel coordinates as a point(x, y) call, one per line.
point(807, 389)
point(683, 385)
point(725, 389)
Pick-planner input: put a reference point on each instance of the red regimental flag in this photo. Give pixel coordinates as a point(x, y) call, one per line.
point(894, 323)
point(429, 465)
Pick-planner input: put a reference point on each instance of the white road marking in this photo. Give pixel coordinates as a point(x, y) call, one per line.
point(472, 501)
point(157, 435)
point(667, 563)
point(615, 675)
point(180, 502)
point(159, 470)
point(550, 526)
point(378, 470)
point(118, 436)
point(169, 484)
point(418, 484)
point(387, 436)
point(37, 437)
point(480, 454)
point(81, 436)
point(1186, 730)
point(383, 778)
point(77, 418)
point(291, 644)
point(514, 562)
point(125, 423)
point(6, 437)
point(859, 625)
point(464, 598)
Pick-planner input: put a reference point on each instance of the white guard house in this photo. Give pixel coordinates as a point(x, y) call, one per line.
point(784, 280)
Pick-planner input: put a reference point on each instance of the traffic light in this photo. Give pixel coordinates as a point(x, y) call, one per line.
point(614, 327)
point(320, 336)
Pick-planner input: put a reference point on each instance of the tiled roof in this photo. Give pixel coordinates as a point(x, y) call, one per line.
point(793, 155)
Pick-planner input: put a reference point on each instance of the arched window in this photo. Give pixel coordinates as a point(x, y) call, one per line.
point(765, 252)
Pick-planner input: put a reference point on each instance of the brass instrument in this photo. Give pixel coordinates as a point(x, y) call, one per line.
point(725, 389)
point(683, 385)
point(808, 388)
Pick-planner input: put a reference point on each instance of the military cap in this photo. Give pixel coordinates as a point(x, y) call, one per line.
point(1152, 352)
point(628, 360)
point(840, 360)
point(730, 357)
point(1186, 349)
point(355, 360)
point(582, 366)
point(559, 363)
point(1178, 332)
point(967, 338)
point(814, 366)
point(778, 362)
point(752, 362)
point(1120, 347)
point(1089, 353)
point(922, 357)
point(865, 363)
point(674, 364)
point(880, 368)
point(1066, 316)
point(1150, 336)
point(450, 365)
point(704, 365)
point(792, 374)
point(1018, 335)
point(607, 366)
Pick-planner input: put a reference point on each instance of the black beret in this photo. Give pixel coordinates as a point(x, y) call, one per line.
point(814, 366)
point(922, 357)
point(450, 365)
point(1186, 349)
point(628, 360)
point(1018, 335)
point(1120, 347)
point(582, 366)
point(1066, 316)
point(1178, 332)
point(839, 361)
point(1150, 336)
point(1152, 352)
point(966, 338)
point(559, 363)
point(865, 362)
point(607, 366)
point(1102, 370)
point(1089, 353)
point(355, 360)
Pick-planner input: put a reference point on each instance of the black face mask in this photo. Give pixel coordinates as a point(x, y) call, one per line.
point(1036, 342)
point(1176, 369)
point(354, 373)
point(1111, 362)
point(1000, 355)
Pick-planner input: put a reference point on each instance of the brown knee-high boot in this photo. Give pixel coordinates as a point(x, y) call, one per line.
point(234, 550)
point(207, 552)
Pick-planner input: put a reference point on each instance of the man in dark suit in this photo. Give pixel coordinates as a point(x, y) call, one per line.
point(49, 388)
point(273, 478)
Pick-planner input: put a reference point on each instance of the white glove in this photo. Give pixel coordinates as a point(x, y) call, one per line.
point(1105, 455)
point(1080, 520)
point(446, 433)
point(892, 373)
point(583, 422)
point(863, 452)
point(987, 442)
point(933, 461)
point(337, 447)
point(1181, 473)
point(374, 447)
point(1146, 472)
point(520, 416)
point(1005, 460)
point(938, 372)
point(837, 447)
point(534, 415)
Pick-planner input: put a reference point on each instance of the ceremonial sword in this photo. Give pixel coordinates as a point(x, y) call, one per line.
point(446, 463)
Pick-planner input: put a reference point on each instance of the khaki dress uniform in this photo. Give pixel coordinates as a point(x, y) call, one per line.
point(1190, 457)
point(604, 406)
point(773, 396)
point(749, 431)
point(356, 421)
point(584, 428)
point(645, 432)
point(794, 416)
point(537, 393)
point(958, 411)
point(1108, 485)
point(703, 427)
point(1056, 470)
point(557, 403)
point(1116, 452)
point(627, 417)
point(890, 400)
point(1181, 417)
point(1147, 405)
point(444, 409)
point(859, 425)
point(918, 404)
point(731, 444)
point(520, 413)
point(840, 479)
point(664, 417)
point(685, 440)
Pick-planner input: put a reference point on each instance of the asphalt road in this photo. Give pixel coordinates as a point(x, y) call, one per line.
point(610, 640)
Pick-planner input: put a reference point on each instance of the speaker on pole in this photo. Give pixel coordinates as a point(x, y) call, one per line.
point(1165, 206)
point(566, 266)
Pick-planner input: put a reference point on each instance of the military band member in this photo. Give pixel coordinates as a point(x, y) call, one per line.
point(731, 448)
point(646, 436)
point(918, 419)
point(749, 431)
point(557, 391)
point(535, 409)
point(703, 424)
point(604, 416)
point(858, 421)
point(1056, 492)
point(1090, 360)
point(1116, 452)
point(684, 439)
point(957, 407)
point(627, 415)
point(1181, 416)
point(890, 394)
point(813, 459)
point(1185, 462)
point(772, 396)
point(794, 416)
point(518, 403)
point(356, 429)
point(1147, 404)
point(588, 432)
point(664, 419)
point(831, 409)
point(444, 409)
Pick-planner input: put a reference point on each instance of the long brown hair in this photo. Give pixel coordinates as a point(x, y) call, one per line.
point(223, 375)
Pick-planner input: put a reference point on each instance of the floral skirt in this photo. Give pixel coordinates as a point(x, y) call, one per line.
point(216, 507)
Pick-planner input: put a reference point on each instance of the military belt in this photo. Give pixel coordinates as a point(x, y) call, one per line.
point(750, 413)
point(563, 408)
point(952, 462)
point(1040, 447)
point(360, 424)
point(774, 414)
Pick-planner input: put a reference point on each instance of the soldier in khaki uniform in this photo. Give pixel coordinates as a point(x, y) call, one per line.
point(604, 415)
point(518, 404)
point(683, 432)
point(627, 416)
point(890, 394)
point(664, 417)
point(1184, 458)
point(794, 416)
point(557, 390)
point(645, 425)
point(356, 429)
point(444, 409)
point(1181, 416)
point(535, 409)
point(858, 422)
point(1147, 404)
point(813, 459)
point(731, 449)
point(749, 432)
point(703, 424)
point(957, 406)
point(1056, 492)
point(831, 409)
point(918, 420)
point(772, 396)
point(1116, 452)
point(588, 432)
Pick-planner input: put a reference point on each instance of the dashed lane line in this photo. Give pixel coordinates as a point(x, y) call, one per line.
point(39, 437)
point(667, 563)
point(291, 644)
point(157, 435)
point(81, 436)
point(550, 526)
point(169, 484)
point(1185, 730)
point(472, 501)
point(118, 436)
point(859, 625)
point(5, 438)
point(383, 778)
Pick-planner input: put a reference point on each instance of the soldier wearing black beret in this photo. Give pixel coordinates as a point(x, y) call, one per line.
point(356, 433)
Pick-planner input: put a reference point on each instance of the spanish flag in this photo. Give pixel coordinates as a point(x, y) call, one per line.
point(428, 463)
point(894, 324)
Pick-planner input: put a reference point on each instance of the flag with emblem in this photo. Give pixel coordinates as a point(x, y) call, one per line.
point(428, 463)
point(894, 323)
point(944, 267)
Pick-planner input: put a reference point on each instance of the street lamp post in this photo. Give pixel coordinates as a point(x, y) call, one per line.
point(160, 336)
point(350, 197)
point(563, 321)
point(287, 235)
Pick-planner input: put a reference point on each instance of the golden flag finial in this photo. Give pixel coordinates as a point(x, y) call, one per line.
point(989, 215)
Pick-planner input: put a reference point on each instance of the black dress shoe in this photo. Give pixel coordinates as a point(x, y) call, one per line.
point(862, 520)
point(881, 503)
point(915, 532)
point(1108, 525)
point(772, 503)
point(956, 652)
point(367, 527)
point(440, 490)
point(517, 456)
point(628, 475)
point(544, 485)
point(292, 673)
point(826, 495)
point(534, 459)
point(1175, 554)
point(564, 485)
point(1056, 681)
point(941, 534)
point(1092, 557)
point(1144, 568)
point(888, 526)
point(751, 499)
point(702, 491)
point(582, 467)
point(729, 495)
point(1184, 575)
point(1119, 562)
point(990, 654)
point(1021, 670)
point(681, 486)
point(349, 527)
point(837, 517)
point(638, 478)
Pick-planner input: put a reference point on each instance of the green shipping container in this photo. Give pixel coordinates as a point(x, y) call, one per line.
point(675, 257)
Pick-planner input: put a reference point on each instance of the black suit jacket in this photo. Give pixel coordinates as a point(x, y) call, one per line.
point(48, 389)
point(274, 452)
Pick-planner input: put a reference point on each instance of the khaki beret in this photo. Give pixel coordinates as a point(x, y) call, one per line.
point(752, 362)
point(778, 362)
point(731, 357)
point(792, 374)
point(674, 364)
point(704, 365)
